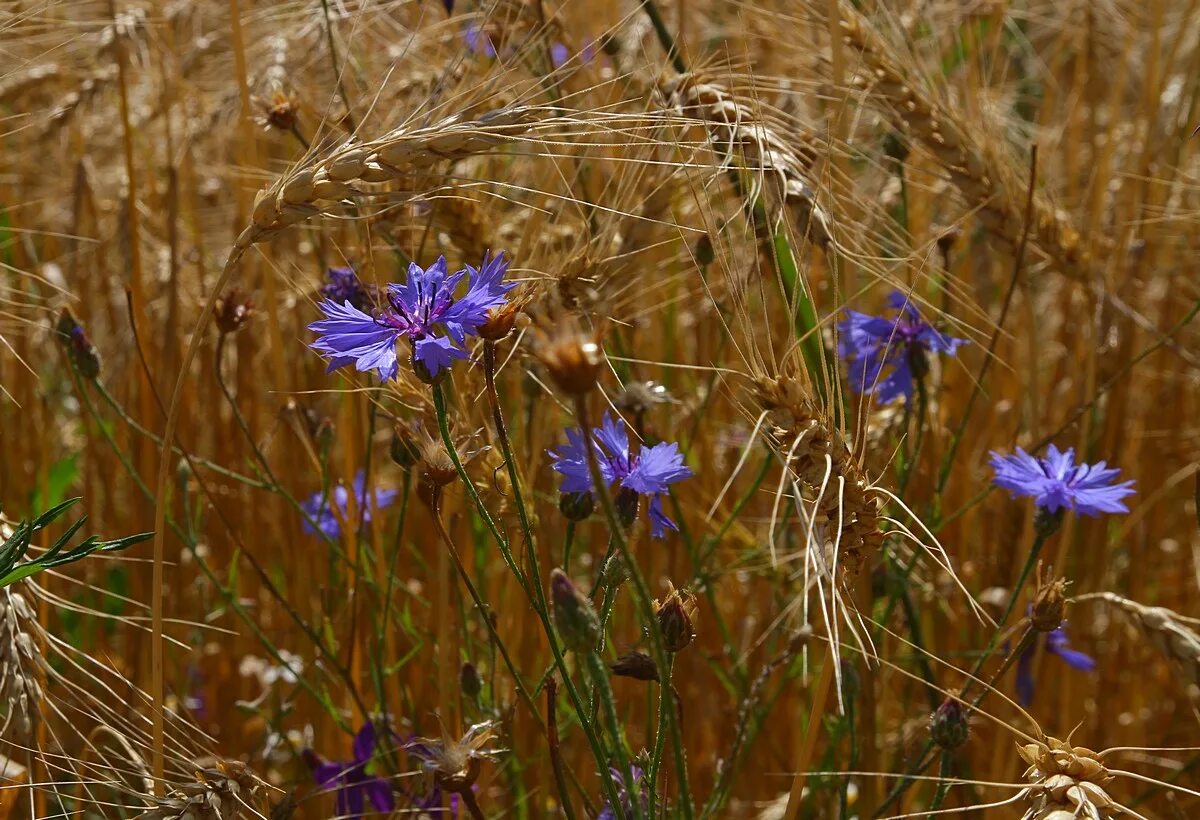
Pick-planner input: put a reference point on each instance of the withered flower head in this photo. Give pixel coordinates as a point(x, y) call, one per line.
point(573, 359)
point(281, 112)
point(234, 309)
point(1049, 603)
point(675, 614)
point(636, 665)
point(455, 764)
point(639, 397)
point(574, 615)
point(501, 319)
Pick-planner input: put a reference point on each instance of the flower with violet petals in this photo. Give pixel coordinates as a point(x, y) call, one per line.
point(343, 285)
point(648, 473)
point(898, 345)
point(1058, 644)
point(421, 310)
point(318, 509)
point(353, 782)
point(1056, 482)
point(640, 787)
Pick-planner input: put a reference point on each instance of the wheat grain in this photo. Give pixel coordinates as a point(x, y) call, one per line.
point(1165, 629)
point(1066, 781)
point(20, 664)
point(223, 791)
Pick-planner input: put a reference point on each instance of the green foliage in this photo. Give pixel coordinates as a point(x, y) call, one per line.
point(15, 549)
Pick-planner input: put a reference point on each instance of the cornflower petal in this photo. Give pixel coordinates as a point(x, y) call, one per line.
point(656, 468)
point(1056, 482)
point(350, 337)
point(436, 353)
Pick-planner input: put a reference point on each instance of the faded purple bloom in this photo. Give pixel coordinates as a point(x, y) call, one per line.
point(343, 285)
point(354, 784)
point(478, 40)
point(559, 54)
point(897, 345)
point(420, 310)
point(649, 473)
point(318, 508)
point(639, 787)
point(1057, 644)
point(1057, 482)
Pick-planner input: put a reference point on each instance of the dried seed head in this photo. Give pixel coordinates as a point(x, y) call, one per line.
point(221, 791)
point(502, 319)
point(948, 725)
point(636, 665)
point(574, 616)
point(1049, 603)
point(675, 614)
point(574, 362)
point(234, 309)
point(281, 112)
point(638, 397)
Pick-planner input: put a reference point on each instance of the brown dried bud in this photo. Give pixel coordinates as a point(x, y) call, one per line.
point(636, 665)
point(948, 725)
point(80, 351)
point(1049, 603)
point(574, 362)
point(501, 320)
point(675, 614)
point(469, 682)
point(948, 238)
point(233, 311)
point(281, 112)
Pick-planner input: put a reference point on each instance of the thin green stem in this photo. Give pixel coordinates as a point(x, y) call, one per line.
point(664, 703)
point(600, 681)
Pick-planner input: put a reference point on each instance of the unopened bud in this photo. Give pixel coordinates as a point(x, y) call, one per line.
point(574, 616)
point(80, 352)
point(948, 725)
point(675, 621)
point(576, 506)
point(233, 311)
point(636, 665)
point(469, 682)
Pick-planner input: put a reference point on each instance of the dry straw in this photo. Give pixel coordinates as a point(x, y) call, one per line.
point(1165, 628)
point(1065, 782)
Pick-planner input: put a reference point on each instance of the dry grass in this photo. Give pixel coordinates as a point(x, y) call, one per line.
point(848, 559)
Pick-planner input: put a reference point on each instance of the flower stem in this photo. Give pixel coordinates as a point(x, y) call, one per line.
point(620, 750)
point(664, 703)
point(538, 600)
point(641, 598)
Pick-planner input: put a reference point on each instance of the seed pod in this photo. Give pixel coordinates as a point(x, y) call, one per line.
point(574, 362)
point(574, 616)
point(1049, 604)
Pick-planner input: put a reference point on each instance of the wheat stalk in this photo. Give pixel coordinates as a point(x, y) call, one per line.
point(735, 130)
point(977, 168)
point(1165, 629)
point(20, 664)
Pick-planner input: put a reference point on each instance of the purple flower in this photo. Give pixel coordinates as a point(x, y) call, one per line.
point(649, 473)
point(1057, 644)
point(318, 508)
point(639, 786)
point(559, 54)
point(343, 285)
point(478, 40)
point(420, 309)
point(351, 779)
point(897, 345)
point(1057, 482)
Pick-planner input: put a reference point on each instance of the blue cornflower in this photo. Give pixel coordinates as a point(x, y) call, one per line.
point(1056, 482)
point(898, 345)
point(648, 473)
point(1058, 644)
point(343, 285)
point(318, 508)
point(640, 787)
point(351, 779)
point(420, 309)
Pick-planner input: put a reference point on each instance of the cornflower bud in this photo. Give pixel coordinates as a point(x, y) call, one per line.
point(948, 725)
point(674, 616)
point(574, 616)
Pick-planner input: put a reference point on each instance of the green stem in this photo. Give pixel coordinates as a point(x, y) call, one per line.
point(943, 782)
point(539, 603)
point(664, 35)
point(664, 703)
point(600, 681)
point(641, 598)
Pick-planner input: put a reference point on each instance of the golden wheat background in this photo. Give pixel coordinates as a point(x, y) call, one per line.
point(155, 157)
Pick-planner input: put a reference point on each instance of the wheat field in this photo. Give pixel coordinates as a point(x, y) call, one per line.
point(307, 303)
